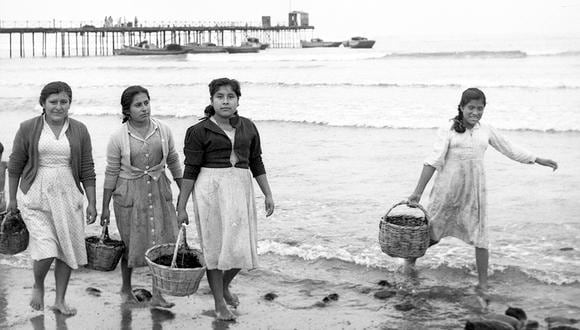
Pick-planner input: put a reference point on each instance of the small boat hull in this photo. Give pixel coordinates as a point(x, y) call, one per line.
point(135, 51)
point(205, 50)
point(362, 44)
point(315, 44)
point(242, 49)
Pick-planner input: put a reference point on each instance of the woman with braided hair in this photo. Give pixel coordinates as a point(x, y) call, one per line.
point(457, 203)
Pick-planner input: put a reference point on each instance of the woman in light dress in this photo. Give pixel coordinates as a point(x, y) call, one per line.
point(222, 153)
point(52, 163)
point(457, 203)
point(137, 154)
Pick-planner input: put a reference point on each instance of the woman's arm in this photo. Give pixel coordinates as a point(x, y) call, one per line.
point(547, 162)
point(184, 192)
point(112, 171)
point(424, 178)
point(18, 159)
point(92, 207)
point(105, 213)
point(13, 182)
point(265, 187)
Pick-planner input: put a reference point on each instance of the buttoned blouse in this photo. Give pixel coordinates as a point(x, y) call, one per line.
point(126, 160)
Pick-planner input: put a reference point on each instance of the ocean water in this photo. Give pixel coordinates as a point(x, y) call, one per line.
point(345, 132)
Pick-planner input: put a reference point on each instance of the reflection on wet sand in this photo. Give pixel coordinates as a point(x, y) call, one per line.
point(158, 316)
point(3, 300)
point(38, 322)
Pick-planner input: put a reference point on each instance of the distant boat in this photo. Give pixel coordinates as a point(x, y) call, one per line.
point(359, 42)
point(256, 42)
point(171, 49)
point(205, 48)
point(245, 47)
point(317, 42)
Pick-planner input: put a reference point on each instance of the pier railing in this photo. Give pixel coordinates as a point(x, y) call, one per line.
point(59, 24)
point(87, 38)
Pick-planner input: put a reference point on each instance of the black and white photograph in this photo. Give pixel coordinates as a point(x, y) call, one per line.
point(290, 164)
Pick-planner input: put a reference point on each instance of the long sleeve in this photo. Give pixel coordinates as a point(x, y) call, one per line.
point(173, 158)
point(113, 167)
point(255, 161)
point(193, 150)
point(512, 151)
point(440, 147)
point(18, 156)
point(87, 173)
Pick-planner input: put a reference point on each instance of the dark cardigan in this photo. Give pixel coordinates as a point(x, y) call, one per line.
point(206, 145)
point(23, 162)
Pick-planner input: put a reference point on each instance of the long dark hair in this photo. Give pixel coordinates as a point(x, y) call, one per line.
point(214, 86)
point(127, 98)
point(55, 87)
point(468, 95)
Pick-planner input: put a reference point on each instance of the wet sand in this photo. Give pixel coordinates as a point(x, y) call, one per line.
point(364, 181)
point(194, 312)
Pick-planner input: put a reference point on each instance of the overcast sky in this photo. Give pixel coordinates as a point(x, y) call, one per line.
point(332, 18)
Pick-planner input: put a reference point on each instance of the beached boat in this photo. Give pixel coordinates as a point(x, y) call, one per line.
point(136, 50)
point(317, 42)
point(359, 42)
point(256, 42)
point(205, 48)
point(245, 47)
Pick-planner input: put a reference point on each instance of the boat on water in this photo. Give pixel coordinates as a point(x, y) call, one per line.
point(258, 43)
point(204, 48)
point(317, 42)
point(245, 47)
point(147, 49)
point(359, 42)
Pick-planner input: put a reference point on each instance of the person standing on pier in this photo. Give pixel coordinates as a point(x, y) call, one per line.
point(135, 179)
point(222, 152)
point(51, 159)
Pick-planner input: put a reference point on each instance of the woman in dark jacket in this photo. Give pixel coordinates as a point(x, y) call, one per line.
point(222, 153)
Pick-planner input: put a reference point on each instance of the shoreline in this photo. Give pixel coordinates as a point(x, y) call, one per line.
point(379, 300)
point(328, 207)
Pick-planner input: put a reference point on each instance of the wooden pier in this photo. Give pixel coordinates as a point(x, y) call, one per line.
point(89, 40)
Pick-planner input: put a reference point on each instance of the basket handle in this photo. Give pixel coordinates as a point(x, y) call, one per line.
point(180, 236)
point(406, 202)
point(104, 233)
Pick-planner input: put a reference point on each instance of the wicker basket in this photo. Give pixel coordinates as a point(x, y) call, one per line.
point(13, 242)
point(170, 279)
point(103, 253)
point(404, 236)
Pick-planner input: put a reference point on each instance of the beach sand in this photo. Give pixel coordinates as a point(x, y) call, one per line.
point(386, 165)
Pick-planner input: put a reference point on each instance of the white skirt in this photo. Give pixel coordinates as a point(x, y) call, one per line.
point(53, 212)
point(226, 219)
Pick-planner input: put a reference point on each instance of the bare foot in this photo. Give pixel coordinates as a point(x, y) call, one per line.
point(127, 296)
point(224, 314)
point(482, 296)
point(159, 301)
point(64, 309)
point(37, 299)
point(231, 299)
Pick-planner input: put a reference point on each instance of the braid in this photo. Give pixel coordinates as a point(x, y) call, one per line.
point(458, 121)
point(208, 112)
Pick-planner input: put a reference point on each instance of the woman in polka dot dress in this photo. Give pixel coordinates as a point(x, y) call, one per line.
point(51, 159)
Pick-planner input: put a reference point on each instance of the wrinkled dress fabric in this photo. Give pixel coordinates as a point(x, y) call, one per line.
point(226, 216)
point(458, 200)
point(53, 206)
point(144, 206)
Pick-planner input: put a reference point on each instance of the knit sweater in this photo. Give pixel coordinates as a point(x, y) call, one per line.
point(24, 158)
